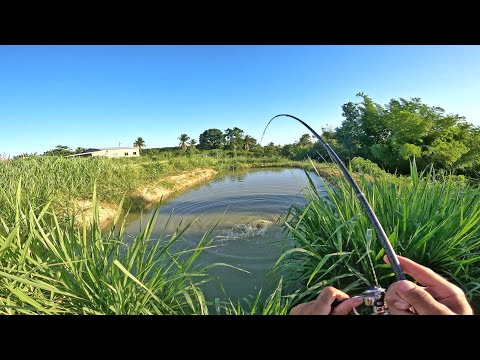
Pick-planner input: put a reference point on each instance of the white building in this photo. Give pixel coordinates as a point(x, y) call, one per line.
point(115, 152)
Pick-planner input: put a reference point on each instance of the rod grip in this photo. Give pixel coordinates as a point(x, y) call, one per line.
point(337, 302)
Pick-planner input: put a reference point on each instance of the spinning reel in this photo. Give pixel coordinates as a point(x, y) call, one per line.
point(373, 300)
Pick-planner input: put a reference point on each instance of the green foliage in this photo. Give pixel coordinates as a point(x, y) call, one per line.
point(274, 304)
point(211, 139)
point(184, 142)
point(233, 138)
point(60, 150)
point(394, 134)
point(140, 143)
point(446, 153)
point(364, 166)
point(305, 140)
point(248, 142)
point(193, 143)
point(409, 151)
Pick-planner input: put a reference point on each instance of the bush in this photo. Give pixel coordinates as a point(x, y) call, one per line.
point(365, 166)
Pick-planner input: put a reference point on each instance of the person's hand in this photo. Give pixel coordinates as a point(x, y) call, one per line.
point(323, 304)
point(437, 296)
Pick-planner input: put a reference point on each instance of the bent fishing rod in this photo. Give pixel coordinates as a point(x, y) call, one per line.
point(392, 257)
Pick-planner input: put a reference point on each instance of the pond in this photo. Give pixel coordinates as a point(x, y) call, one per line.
point(247, 206)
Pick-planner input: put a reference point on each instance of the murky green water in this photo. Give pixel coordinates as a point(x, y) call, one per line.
point(248, 205)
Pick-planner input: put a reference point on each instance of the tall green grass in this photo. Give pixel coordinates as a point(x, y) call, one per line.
point(66, 269)
point(433, 221)
point(275, 303)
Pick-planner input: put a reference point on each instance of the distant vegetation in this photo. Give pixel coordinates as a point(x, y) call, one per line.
point(393, 134)
point(389, 136)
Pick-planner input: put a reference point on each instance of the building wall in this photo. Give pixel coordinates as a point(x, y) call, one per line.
point(117, 153)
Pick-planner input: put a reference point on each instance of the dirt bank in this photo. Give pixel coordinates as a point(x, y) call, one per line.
point(148, 195)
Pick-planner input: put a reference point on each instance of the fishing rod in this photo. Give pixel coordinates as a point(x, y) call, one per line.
point(375, 295)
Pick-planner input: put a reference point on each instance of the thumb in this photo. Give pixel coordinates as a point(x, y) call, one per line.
point(420, 300)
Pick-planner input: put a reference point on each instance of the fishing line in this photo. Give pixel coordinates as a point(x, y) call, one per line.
point(392, 257)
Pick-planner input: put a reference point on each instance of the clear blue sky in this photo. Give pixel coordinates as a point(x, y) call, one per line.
point(98, 96)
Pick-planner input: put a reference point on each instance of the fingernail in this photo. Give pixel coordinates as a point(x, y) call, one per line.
point(385, 258)
point(405, 285)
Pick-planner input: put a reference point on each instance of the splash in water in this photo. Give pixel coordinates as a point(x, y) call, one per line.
point(245, 231)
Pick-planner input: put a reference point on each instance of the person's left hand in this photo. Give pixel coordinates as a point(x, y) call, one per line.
point(323, 304)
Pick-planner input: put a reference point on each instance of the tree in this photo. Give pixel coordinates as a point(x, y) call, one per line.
point(184, 141)
point(363, 127)
point(79, 150)
point(211, 139)
point(139, 143)
point(318, 150)
point(305, 140)
point(192, 147)
point(233, 138)
point(24, 155)
point(469, 163)
point(60, 150)
point(405, 129)
point(271, 150)
point(248, 142)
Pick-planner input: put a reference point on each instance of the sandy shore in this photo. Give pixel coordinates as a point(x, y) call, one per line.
point(151, 194)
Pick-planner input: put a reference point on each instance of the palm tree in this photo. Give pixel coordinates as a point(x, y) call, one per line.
point(193, 142)
point(184, 141)
point(139, 143)
point(247, 142)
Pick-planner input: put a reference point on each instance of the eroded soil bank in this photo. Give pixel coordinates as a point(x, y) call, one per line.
point(148, 195)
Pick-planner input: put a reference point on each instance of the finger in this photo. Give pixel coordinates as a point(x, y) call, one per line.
point(422, 274)
point(322, 305)
point(392, 310)
point(347, 306)
point(395, 304)
point(324, 301)
point(393, 299)
point(420, 300)
point(302, 309)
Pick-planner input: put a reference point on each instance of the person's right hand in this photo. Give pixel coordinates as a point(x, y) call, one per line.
point(436, 297)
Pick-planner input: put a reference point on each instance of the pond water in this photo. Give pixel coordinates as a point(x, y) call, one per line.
point(247, 206)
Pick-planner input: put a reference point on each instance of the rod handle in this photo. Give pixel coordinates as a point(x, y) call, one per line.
point(337, 302)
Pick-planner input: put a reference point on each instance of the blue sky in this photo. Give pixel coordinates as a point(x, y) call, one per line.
point(100, 96)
